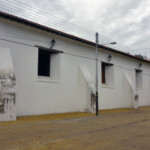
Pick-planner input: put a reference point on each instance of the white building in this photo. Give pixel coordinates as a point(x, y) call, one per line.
point(68, 78)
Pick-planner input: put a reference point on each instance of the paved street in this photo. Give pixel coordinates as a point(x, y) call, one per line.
point(122, 130)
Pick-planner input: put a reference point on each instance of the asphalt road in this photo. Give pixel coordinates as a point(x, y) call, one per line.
point(127, 130)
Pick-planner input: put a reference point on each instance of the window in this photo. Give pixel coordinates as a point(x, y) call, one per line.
point(107, 73)
point(48, 64)
point(103, 73)
point(44, 60)
point(139, 80)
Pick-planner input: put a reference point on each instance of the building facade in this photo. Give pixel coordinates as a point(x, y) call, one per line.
point(62, 79)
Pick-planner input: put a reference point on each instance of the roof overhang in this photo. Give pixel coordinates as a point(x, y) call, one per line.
point(49, 49)
point(54, 31)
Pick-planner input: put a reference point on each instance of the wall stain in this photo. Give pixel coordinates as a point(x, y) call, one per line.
point(93, 100)
point(7, 91)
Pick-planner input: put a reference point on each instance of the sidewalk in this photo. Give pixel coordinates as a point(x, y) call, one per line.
point(120, 129)
point(51, 117)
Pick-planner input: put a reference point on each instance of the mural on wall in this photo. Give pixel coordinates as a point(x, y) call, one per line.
point(7, 87)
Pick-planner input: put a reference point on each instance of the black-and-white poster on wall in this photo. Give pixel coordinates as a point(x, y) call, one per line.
point(7, 86)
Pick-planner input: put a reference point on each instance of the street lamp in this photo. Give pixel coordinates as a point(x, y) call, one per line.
point(52, 43)
point(112, 43)
point(96, 74)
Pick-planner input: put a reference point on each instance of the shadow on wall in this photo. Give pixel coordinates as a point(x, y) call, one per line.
point(86, 90)
point(131, 91)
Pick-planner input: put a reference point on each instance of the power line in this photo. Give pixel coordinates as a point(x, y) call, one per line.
point(85, 35)
point(54, 17)
point(34, 14)
point(40, 16)
point(10, 35)
point(44, 21)
point(104, 38)
point(45, 13)
point(7, 40)
point(140, 49)
point(20, 37)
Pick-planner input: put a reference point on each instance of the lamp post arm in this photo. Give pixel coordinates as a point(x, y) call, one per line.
point(96, 69)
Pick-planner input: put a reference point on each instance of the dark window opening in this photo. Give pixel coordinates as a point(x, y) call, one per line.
point(103, 73)
point(138, 74)
point(44, 59)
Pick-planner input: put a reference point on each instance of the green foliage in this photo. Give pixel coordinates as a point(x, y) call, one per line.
point(139, 56)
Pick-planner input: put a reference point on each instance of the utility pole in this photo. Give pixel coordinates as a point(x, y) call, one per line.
point(96, 74)
point(145, 55)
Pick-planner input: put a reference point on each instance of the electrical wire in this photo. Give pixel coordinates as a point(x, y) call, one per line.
point(54, 17)
point(10, 35)
point(45, 13)
point(44, 22)
point(65, 22)
point(44, 18)
point(135, 50)
point(21, 37)
point(34, 14)
point(7, 40)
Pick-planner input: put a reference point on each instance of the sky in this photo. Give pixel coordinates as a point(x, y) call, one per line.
point(124, 21)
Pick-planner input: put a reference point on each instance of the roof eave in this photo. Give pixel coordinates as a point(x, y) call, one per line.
point(54, 31)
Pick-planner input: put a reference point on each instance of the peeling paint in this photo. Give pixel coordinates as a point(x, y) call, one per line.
point(93, 100)
point(7, 87)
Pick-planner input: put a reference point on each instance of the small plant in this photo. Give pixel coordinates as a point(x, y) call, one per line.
point(139, 56)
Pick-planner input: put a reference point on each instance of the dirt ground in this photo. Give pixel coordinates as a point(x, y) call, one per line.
point(112, 130)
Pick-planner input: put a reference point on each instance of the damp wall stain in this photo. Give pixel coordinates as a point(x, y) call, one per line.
point(7, 87)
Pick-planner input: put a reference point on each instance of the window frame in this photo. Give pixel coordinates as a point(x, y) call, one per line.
point(50, 52)
point(103, 71)
point(138, 76)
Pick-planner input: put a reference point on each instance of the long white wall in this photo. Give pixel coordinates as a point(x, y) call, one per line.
point(60, 93)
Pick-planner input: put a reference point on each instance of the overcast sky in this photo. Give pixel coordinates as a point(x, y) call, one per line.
point(126, 21)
